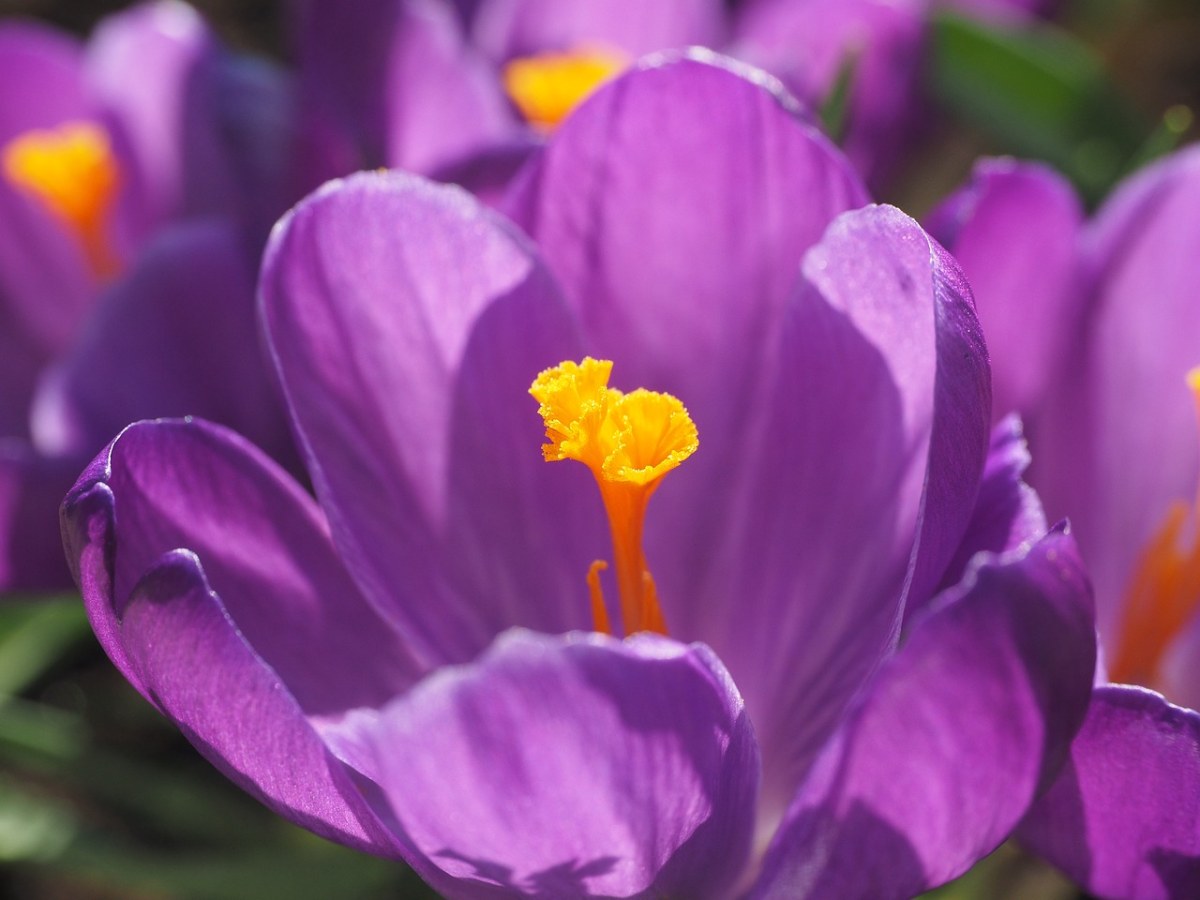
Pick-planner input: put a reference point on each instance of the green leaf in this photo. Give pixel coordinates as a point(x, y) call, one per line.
point(34, 635)
point(1039, 92)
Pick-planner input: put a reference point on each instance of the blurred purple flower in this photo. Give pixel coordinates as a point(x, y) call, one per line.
point(122, 294)
point(421, 84)
point(1093, 329)
point(408, 664)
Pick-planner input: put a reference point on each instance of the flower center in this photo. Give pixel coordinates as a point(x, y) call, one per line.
point(547, 86)
point(629, 441)
point(1164, 592)
point(71, 170)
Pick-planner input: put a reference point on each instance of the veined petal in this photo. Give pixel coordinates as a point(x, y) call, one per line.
point(1015, 231)
point(31, 487)
point(41, 79)
point(1123, 818)
point(952, 741)
point(406, 323)
point(263, 547)
point(581, 765)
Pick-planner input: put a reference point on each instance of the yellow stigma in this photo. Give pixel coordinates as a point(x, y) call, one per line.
point(629, 441)
point(1164, 592)
point(71, 170)
point(546, 87)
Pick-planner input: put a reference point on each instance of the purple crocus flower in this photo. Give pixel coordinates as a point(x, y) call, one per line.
point(122, 293)
point(1101, 369)
point(832, 694)
point(447, 89)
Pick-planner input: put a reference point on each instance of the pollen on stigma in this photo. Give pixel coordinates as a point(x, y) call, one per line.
point(545, 87)
point(72, 172)
point(629, 441)
point(1164, 592)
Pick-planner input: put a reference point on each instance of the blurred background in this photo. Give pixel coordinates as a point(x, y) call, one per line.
point(101, 798)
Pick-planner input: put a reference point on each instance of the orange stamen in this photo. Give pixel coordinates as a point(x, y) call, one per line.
point(1164, 593)
point(546, 87)
point(630, 442)
point(72, 171)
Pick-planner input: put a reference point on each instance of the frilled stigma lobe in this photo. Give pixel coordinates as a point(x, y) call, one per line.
point(629, 441)
point(1164, 593)
point(547, 86)
point(72, 171)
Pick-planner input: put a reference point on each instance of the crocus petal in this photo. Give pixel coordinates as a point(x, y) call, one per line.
point(398, 78)
point(31, 487)
point(1015, 231)
point(1123, 819)
point(154, 113)
point(196, 666)
point(407, 324)
point(1008, 514)
point(809, 44)
point(508, 28)
point(45, 290)
point(581, 766)
point(41, 81)
point(849, 477)
point(1123, 398)
point(263, 547)
point(175, 336)
point(952, 741)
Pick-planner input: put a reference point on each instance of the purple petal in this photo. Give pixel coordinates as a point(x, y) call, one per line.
point(581, 765)
point(195, 665)
point(952, 741)
point(1122, 819)
point(1008, 514)
point(1118, 443)
point(45, 291)
point(176, 336)
point(808, 44)
point(407, 324)
point(41, 83)
point(509, 28)
point(398, 79)
point(262, 544)
point(1015, 231)
point(842, 480)
point(31, 487)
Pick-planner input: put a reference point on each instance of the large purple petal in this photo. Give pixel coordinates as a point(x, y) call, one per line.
point(195, 665)
point(45, 290)
point(1015, 231)
point(957, 735)
point(31, 487)
point(407, 324)
point(1119, 442)
point(41, 79)
point(1008, 514)
point(809, 44)
point(262, 544)
point(509, 28)
point(176, 336)
point(398, 80)
point(847, 481)
point(580, 766)
point(1123, 819)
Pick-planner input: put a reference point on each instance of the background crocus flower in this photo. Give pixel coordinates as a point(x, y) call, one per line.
point(135, 185)
point(1101, 368)
point(414, 652)
point(464, 91)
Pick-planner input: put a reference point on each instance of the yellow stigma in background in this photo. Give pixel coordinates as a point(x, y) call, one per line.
point(547, 86)
point(1164, 592)
point(629, 442)
point(71, 170)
